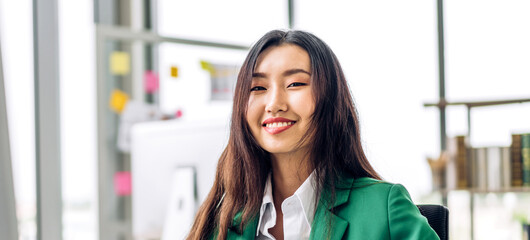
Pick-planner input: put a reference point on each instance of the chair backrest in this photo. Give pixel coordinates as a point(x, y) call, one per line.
point(438, 218)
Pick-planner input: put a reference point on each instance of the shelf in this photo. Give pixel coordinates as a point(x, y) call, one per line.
point(471, 104)
point(477, 190)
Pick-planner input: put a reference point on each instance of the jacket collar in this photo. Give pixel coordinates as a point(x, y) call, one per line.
point(323, 214)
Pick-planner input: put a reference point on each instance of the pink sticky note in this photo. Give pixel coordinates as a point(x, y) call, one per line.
point(178, 114)
point(150, 81)
point(122, 183)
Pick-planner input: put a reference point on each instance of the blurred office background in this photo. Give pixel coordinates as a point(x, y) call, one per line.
point(114, 106)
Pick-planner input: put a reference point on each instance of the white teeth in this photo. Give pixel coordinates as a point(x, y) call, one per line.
point(278, 124)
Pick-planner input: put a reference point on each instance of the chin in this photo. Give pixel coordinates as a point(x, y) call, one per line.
point(279, 148)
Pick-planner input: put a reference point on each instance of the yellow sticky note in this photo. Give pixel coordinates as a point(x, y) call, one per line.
point(118, 99)
point(207, 66)
point(174, 72)
point(120, 63)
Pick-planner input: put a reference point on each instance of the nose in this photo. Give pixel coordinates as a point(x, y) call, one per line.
point(276, 100)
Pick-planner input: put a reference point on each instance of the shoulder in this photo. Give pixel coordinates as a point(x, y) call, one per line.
point(370, 196)
point(378, 195)
point(374, 201)
point(366, 208)
point(378, 188)
point(387, 209)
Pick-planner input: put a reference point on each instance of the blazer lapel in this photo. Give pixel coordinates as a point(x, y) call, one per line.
point(249, 232)
point(325, 220)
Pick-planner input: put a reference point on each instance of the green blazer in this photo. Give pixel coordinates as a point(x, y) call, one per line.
point(365, 209)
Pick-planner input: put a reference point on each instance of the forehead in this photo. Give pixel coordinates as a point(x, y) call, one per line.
point(285, 56)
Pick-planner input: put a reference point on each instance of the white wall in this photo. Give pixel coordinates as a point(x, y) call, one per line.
point(233, 21)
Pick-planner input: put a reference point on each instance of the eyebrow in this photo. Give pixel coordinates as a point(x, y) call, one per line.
point(285, 73)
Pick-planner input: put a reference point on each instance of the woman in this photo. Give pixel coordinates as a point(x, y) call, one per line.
point(294, 167)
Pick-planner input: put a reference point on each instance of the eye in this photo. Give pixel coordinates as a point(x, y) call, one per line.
point(297, 84)
point(257, 88)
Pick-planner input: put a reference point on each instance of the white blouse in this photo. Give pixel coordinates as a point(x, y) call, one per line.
point(298, 212)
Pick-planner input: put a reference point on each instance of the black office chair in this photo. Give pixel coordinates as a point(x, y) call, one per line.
point(438, 218)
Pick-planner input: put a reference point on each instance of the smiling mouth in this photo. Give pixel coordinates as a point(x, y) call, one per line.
point(278, 124)
point(277, 127)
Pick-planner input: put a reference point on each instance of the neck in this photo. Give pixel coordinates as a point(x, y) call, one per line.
point(289, 171)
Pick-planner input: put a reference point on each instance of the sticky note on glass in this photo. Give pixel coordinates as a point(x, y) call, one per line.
point(174, 72)
point(207, 66)
point(122, 183)
point(150, 81)
point(118, 99)
point(120, 63)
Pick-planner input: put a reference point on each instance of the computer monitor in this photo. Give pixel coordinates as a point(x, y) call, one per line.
point(157, 150)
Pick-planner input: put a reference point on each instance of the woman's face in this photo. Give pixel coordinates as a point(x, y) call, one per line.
point(281, 100)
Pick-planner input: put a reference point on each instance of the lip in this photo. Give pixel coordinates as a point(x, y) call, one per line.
point(277, 130)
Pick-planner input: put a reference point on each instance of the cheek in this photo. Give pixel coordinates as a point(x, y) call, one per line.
point(305, 104)
point(252, 113)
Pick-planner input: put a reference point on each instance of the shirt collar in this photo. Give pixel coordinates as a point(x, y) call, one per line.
point(267, 201)
point(305, 193)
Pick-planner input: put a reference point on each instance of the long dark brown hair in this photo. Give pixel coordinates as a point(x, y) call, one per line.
point(336, 149)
